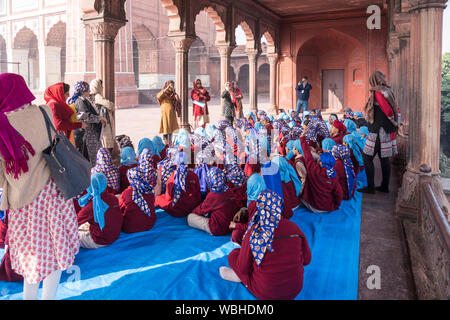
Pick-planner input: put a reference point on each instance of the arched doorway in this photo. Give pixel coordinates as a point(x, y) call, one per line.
point(263, 80)
point(335, 66)
point(243, 78)
point(56, 51)
point(26, 53)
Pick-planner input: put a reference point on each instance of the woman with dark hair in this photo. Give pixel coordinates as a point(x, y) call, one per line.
point(170, 106)
point(91, 137)
point(238, 95)
point(384, 120)
point(64, 117)
point(200, 97)
point(228, 106)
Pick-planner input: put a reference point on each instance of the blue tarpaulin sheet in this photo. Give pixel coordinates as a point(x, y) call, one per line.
point(174, 261)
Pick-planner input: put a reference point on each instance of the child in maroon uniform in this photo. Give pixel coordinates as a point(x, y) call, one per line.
point(6, 271)
point(100, 220)
point(104, 165)
point(322, 191)
point(217, 210)
point(128, 161)
point(182, 191)
point(137, 202)
point(338, 131)
point(237, 182)
point(273, 253)
point(344, 170)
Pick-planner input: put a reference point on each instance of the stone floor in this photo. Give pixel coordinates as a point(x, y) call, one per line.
point(382, 237)
point(383, 244)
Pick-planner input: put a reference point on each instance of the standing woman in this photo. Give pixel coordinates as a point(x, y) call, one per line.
point(238, 95)
point(200, 97)
point(91, 137)
point(170, 102)
point(55, 97)
point(107, 110)
point(228, 106)
point(384, 120)
point(42, 226)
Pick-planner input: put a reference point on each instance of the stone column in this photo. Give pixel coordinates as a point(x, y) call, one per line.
point(225, 57)
point(425, 100)
point(273, 61)
point(182, 45)
point(253, 70)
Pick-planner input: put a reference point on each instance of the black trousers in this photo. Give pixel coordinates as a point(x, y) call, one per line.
point(370, 168)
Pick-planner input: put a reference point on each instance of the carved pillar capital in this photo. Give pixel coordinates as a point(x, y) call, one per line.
point(181, 43)
point(416, 5)
point(105, 30)
point(273, 58)
point(225, 49)
point(252, 55)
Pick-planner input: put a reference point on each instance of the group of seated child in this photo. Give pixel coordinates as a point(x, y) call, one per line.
point(239, 180)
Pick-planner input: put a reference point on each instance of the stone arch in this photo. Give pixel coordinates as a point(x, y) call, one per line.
point(56, 45)
point(263, 78)
point(175, 20)
point(198, 62)
point(26, 53)
point(3, 56)
point(270, 36)
point(218, 16)
point(249, 35)
point(145, 52)
point(335, 54)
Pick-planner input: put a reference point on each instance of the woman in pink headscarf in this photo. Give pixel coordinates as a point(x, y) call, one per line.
point(42, 226)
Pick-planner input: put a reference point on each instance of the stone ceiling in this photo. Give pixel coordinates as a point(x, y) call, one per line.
point(303, 7)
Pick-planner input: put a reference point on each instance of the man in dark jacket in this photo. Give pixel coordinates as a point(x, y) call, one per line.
point(303, 88)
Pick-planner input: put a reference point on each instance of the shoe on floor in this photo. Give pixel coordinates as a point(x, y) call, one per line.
point(382, 189)
point(228, 274)
point(367, 190)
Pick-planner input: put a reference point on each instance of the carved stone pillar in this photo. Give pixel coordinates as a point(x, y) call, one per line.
point(273, 62)
point(253, 70)
point(425, 99)
point(182, 45)
point(225, 57)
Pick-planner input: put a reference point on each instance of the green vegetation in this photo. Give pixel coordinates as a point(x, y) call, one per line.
point(444, 159)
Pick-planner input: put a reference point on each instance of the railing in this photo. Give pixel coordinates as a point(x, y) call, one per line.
point(435, 234)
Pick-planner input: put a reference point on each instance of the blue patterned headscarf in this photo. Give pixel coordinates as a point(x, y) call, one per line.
point(342, 152)
point(158, 144)
point(210, 130)
point(288, 173)
point(80, 88)
point(351, 140)
point(142, 181)
point(259, 126)
point(264, 223)
point(201, 132)
point(2, 213)
point(183, 139)
point(328, 144)
point(328, 163)
point(128, 157)
point(216, 180)
point(95, 190)
point(146, 143)
point(236, 175)
point(180, 176)
point(317, 127)
point(271, 174)
point(360, 140)
point(290, 146)
point(201, 171)
point(255, 185)
point(104, 165)
point(350, 125)
point(359, 115)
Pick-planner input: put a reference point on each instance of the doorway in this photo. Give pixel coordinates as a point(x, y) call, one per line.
point(333, 89)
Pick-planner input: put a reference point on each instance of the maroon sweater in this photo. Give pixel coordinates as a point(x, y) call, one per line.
point(280, 274)
point(189, 199)
point(123, 170)
point(241, 227)
point(340, 173)
point(338, 138)
point(113, 220)
point(6, 271)
point(290, 199)
point(320, 192)
point(239, 193)
point(222, 207)
point(134, 220)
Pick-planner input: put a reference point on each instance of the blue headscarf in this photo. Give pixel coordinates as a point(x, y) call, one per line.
point(183, 139)
point(264, 223)
point(252, 115)
point(328, 163)
point(288, 174)
point(359, 115)
point(255, 185)
point(292, 124)
point(201, 132)
point(351, 140)
point(142, 181)
point(236, 175)
point(342, 152)
point(80, 88)
point(128, 157)
point(259, 126)
point(328, 144)
point(360, 140)
point(95, 190)
point(290, 146)
point(272, 177)
point(298, 146)
point(201, 171)
point(271, 118)
point(216, 180)
point(210, 130)
point(180, 177)
point(146, 143)
point(158, 144)
point(350, 125)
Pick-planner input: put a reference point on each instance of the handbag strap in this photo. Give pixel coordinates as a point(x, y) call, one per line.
point(49, 125)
